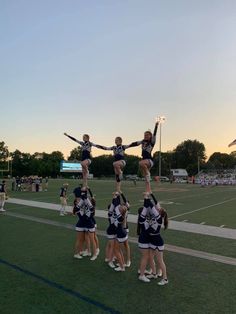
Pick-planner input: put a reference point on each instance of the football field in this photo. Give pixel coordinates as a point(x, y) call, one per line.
point(39, 275)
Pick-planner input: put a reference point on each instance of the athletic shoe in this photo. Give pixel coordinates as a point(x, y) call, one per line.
point(61, 214)
point(78, 256)
point(146, 272)
point(143, 278)
point(128, 264)
point(93, 258)
point(152, 276)
point(159, 274)
point(111, 264)
point(119, 269)
point(2, 210)
point(86, 253)
point(97, 251)
point(106, 260)
point(163, 282)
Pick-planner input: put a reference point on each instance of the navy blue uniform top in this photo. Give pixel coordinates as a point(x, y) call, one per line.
point(63, 191)
point(86, 147)
point(118, 150)
point(2, 188)
point(77, 192)
point(85, 209)
point(150, 219)
point(114, 214)
point(147, 146)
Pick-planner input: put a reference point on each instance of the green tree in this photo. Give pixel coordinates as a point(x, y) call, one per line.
point(102, 166)
point(75, 154)
point(166, 163)
point(188, 154)
point(132, 164)
point(221, 161)
point(21, 163)
point(4, 154)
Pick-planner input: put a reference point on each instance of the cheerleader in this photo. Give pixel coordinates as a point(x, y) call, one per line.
point(86, 155)
point(119, 158)
point(146, 163)
point(85, 211)
point(158, 216)
point(93, 202)
point(126, 228)
point(63, 199)
point(144, 239)
point(3, 195)
point(116, 232)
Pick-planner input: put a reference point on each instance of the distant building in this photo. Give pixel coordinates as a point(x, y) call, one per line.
point(179, 174)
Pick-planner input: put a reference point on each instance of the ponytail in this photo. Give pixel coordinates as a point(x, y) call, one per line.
point(164, 215)
point(138, 224)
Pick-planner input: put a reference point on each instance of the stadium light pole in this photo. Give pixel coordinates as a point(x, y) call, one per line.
point(161, 120)
point(198, 164)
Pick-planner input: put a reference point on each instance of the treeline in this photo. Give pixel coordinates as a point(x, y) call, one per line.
point(190, 155)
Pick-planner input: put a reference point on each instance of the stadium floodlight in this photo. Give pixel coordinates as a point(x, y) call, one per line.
point(160, 120)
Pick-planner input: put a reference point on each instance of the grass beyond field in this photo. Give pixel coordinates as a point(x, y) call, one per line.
point(211, 205)
point(39, 275)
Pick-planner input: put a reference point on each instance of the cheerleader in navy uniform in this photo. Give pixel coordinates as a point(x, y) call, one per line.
point(119, 158)
point(86, 154)
point(126, 228)
point(144, 238)
point(146, 163)
point(85, 211)
point(116, 232)
point(93, 202)
point(158, 216)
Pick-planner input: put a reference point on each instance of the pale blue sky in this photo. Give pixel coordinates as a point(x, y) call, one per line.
point(108, 68)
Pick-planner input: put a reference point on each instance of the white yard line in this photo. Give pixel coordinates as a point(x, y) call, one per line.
point(226, 233)
point(171, 248)
point(202, 208)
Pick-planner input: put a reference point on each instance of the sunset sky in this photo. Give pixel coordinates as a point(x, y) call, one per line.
point(108, 68)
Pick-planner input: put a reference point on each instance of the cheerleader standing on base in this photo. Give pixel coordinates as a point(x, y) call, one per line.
point(146, 163)
point(86, 154)
point(119, 158)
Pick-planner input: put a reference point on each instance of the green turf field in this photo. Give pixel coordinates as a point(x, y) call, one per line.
point(196, 286)
point(39, 275)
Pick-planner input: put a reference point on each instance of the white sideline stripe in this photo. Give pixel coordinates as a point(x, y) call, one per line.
point(171, 248)
point(226, 233)
point(202, 208)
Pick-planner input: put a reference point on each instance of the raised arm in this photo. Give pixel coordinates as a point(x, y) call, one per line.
point(155, 133)
point(103, 147)
point(73, 139)
point(154, 198)
point(133, 144)
point(125, 200)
